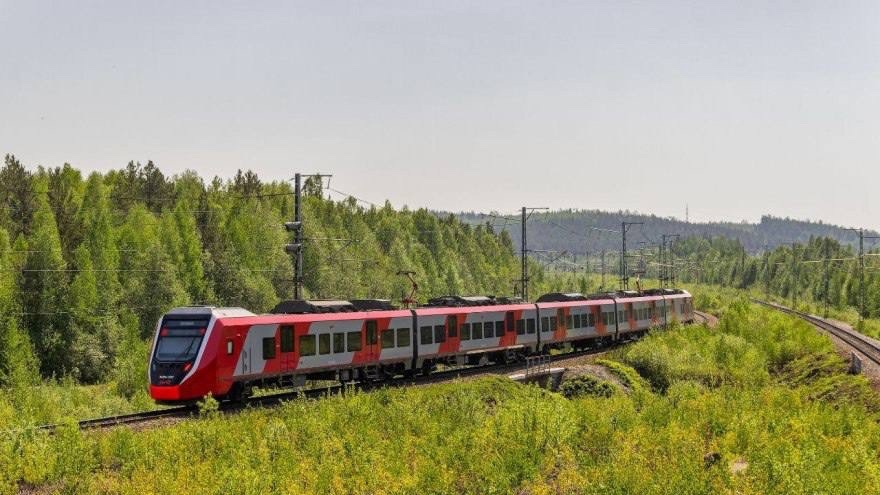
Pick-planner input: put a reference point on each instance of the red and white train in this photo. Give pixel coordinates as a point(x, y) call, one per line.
point(226, 351)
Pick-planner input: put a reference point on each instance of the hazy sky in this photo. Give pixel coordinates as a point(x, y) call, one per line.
point(737, 108)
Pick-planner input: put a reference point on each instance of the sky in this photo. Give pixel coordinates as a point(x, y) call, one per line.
point(735, 108)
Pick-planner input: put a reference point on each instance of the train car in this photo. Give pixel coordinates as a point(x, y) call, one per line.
point(576, 320)
point(226, 351)
point(474, 330)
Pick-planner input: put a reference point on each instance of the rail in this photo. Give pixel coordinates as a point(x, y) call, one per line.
point(869, 348)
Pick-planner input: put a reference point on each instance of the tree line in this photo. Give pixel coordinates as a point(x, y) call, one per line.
point(796, 271)
point(88, 264)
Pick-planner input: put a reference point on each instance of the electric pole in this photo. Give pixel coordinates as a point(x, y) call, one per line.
point(664, 259)
point(797, 275)
point(296, 226)
point(827, 267)
point(624, 275)
point(524, 250)
point(862, 238)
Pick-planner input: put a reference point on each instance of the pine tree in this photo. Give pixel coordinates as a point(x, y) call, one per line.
point(45, 293)
point(18, 365)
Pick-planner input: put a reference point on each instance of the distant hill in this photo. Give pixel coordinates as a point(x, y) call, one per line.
point(575, 231)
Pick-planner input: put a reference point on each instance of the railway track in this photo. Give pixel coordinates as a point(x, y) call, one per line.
point(867, 347)
point(280, 398)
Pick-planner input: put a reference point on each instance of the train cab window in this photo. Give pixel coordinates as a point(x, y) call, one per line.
point(477, 330)
point(286, 338)
point(452, 326)
point(229, 347)
point(371, 332)
point(577, 321)
point(306, 345)
point(403, 337)
point(499, 328)
point(545, 324)
point(427, 338)
point(338, 343)
point(353, 341)
point(552, 323)
point(439, 333)
point(520, 327)
point(465, 330)
point(530, 325)
point(269, 347)
point(388, 339)
point(324, 343)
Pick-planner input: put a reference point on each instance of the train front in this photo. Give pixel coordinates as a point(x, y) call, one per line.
point(177, 372)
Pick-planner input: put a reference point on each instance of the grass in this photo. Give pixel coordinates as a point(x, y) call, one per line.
point(763, 392)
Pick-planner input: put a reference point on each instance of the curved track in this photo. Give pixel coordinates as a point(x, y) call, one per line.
point(866, 346)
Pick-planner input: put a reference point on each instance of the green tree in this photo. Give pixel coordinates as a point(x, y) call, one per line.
point(45, 293)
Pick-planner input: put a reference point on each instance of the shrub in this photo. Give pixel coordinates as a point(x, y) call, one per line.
point(587, 385)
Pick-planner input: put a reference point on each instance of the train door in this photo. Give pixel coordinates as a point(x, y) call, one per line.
point(288, 357)
point(371, 331)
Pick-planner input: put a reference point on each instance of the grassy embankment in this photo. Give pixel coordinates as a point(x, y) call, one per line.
point(761, 405)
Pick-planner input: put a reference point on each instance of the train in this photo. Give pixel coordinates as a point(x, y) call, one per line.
point(226, 352)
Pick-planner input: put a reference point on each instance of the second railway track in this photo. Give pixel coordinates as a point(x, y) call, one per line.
point(866, 346)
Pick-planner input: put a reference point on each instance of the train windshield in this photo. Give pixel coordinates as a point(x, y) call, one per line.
point(180, 339)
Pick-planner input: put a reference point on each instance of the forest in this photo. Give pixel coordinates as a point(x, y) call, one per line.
point(796, 271)
point(587, 232)
point(88, 263)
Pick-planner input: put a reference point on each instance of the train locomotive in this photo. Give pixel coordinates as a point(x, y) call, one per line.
point(225, 352)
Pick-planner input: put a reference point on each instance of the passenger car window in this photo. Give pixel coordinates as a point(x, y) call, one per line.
point(426, 335)
point(388, 339)
point(530, 325)
point(499, 328)
point(520, 327)
point(268, 347)
point(403, 337)
point(306, 345)
point(353, 339)
point(324, 343)
point(439, 333)
point(545, 324)
point(477, 330)
point(338, 342)
point(465, 330)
